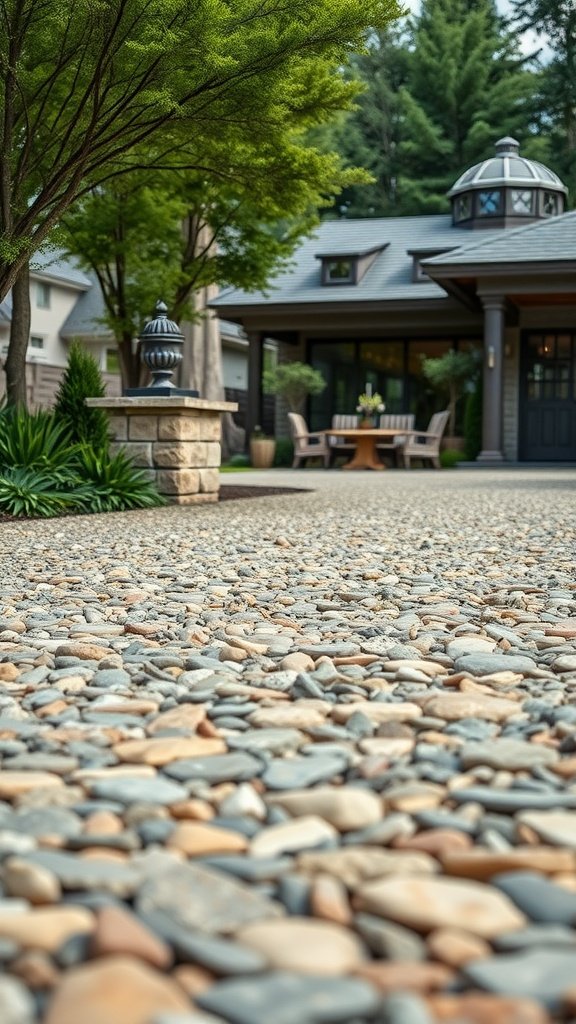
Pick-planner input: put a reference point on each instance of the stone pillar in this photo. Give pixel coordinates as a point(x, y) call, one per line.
point(493, 371)
point(254, 396)
point(176, 440)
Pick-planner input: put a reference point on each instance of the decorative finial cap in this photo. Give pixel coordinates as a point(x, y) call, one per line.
point(507, 145)
point(160, 328)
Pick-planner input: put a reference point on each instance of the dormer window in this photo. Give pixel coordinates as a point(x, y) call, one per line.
point(418, 256)
point(340, 271)
point(348, 266)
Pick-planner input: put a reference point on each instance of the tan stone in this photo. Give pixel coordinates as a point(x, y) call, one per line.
point(178, 454)
point(132, 771)
point(482, 864)
point(193, 809)
point(454, 706)
point(387, 747)
point(213, 453)
point(329, 900)
point(142, 428)
point(304, 945)
point(428, 903)
point(140, 452)
point(430, 668)
point(347, 808)
point(477, 1008)
point(13, 784)
point(297, 662)
point(376, 712)
point(165, 749)
point(45, 928)
point(55, 708)
point(179, 428)
point(412, 797)
point(456, 947)
point(193, 978)
point(178, 481)
point(114, 990)
point(37, 970)
point(210, 480)
point(103, 823)
point(393, 976)
point(197, 839)
point(9, 672)
point(30, 881)
point(434, 841)
point(355, 865)
point(83, 650)
point(119, 931)
point(192, 499)
point(185, 717)
point(298, 715)
point(118, 427)
point(229, 653)
point(302, 833)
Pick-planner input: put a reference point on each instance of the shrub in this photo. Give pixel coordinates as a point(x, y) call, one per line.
point(284, 454)
point(449, 374)
point(35, 493)
point(114, 483)
point(473, 422)
point(82, 379)
point(35, 440)
point(451, 458)
point(239, 460)
point(294, 381)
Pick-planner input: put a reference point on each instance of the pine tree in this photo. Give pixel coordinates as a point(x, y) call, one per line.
point(82, 379)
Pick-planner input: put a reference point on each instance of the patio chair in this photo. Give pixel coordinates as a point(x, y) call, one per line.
point(339, 445)
point(425, 444)
point(307, 444)
point(390, 421)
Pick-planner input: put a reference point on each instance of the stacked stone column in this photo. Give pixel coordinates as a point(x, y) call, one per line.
point(176, 440)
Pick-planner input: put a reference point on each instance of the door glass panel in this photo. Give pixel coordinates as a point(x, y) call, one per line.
point(382, 366)
point(337, 364)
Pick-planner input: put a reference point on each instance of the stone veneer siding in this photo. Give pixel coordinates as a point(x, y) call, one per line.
point(176, 440)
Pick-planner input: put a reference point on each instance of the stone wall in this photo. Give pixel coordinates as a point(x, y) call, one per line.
point(176, 440)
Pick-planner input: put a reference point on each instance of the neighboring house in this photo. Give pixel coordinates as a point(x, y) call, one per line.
point(365, 300)
point(67, 304)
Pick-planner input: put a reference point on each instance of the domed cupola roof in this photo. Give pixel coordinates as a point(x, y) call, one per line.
point(506, 189)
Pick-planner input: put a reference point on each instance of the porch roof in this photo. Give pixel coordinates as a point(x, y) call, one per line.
point(544, 242)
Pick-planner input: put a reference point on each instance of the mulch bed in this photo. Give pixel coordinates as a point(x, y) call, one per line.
point(229, 492)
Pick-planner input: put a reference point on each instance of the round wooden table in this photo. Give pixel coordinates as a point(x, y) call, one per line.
point(366, 454)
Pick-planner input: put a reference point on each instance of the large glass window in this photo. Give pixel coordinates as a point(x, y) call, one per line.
point(382, 366)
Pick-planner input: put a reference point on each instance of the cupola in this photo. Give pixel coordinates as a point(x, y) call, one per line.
point(507, 190)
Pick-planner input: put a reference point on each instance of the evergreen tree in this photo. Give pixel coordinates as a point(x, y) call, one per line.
point(557, 95)
point(82, 379)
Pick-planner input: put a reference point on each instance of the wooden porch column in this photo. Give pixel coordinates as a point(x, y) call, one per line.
point(254, 406)
point(494, 311)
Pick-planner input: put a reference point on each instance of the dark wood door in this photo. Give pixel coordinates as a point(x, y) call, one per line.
point(548, 396)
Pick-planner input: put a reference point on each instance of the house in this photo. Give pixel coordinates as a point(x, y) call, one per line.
point(67, 304)
point(365, 300)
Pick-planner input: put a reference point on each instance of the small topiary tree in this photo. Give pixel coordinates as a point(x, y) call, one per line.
point(449, 374)
point(294, 382)
point(82, 379)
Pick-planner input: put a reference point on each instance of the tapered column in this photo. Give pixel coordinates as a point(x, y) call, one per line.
point(254, 398)
point(494, 312)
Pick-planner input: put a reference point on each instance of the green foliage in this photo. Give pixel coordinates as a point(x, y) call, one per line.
point(82, 379)
point(284, 454)
point(43, 473)
point(473, 422)
point(238, 461)
point(114, 483)
point(451, 458)
point(294, 382)
point(449, 374)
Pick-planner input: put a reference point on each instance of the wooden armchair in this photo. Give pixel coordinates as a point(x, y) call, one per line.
point(425, 444)
point(392, 421)
point(307, 444)
point(339, 445)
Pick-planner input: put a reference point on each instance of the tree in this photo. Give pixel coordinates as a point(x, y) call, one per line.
point(294, 382)
point(450, 374)
point(557, 79)
point(83, 85)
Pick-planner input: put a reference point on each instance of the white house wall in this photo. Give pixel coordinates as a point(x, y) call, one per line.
point(46, 323)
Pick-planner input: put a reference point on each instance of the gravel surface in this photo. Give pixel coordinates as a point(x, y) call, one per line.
point(305, 758)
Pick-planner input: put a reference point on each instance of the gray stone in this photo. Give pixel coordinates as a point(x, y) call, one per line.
point(222, 956)
point(404, 1008)
point(47, 821)
point(273, 741)
point(236, 767)
point(389, 940)
point(88, 874)
point(16, 1004)
point(138, 790)
point(507, 754)
point(203, 899)
point(542, 935)
point(540, 974)
point(488, 664)
point(298, 772)
point(290, 999)
point(511, 800)
point(540, 899)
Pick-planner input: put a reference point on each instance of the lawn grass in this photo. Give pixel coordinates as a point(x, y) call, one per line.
point(236, 469)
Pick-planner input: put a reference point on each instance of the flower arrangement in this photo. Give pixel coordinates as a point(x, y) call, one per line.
point(368, 404)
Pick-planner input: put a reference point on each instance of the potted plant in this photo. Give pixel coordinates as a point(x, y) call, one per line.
point(368, 406)
point(262, 449)
point(293, 382)
point(452, 374)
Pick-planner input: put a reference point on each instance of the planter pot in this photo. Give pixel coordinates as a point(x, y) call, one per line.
point(453, 443)
point(262, 452)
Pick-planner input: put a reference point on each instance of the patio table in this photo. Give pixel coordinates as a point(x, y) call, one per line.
point(366, 454)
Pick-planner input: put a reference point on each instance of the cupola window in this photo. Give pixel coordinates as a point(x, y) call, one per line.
point(522, 201)
point(463, 207)
point(489, 203)
point(550, 204)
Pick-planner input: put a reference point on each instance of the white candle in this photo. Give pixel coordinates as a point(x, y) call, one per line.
point(369, 389)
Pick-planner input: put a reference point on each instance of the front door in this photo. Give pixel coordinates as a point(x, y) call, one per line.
point(548, 396)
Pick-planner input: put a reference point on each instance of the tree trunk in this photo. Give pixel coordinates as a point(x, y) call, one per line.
point(130, 366)
point(15, 367)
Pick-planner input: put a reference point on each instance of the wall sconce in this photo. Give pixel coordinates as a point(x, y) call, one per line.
point(491, 357)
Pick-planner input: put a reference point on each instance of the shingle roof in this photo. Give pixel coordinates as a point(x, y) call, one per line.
point(552, 240)
point(388, 278)
point(54, 264)
point(86, 317)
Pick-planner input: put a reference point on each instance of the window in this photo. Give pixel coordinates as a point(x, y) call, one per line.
point(42, 295)
point(463, 209)
point(489, 203)
point(550, 204)
point(36, 343)
point(522, 201)
point(339, 271)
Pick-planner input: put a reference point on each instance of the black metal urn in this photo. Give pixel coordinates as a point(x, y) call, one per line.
point(161, 344)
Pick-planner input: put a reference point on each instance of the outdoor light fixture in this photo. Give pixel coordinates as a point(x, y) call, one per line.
point(161, 345)
point(491, 357)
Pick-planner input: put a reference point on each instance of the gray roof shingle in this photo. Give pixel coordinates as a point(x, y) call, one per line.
point(54, 264)
point(552, 240)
